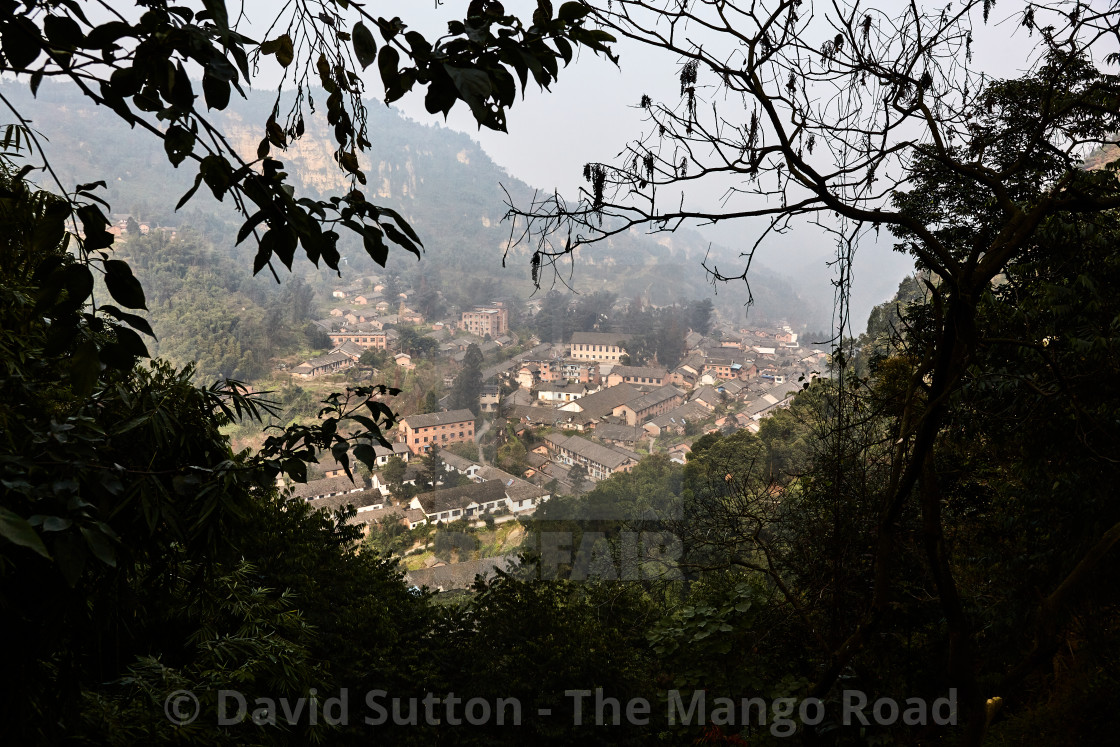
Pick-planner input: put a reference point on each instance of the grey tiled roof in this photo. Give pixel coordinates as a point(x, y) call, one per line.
point(445, 499)
point(438, 418)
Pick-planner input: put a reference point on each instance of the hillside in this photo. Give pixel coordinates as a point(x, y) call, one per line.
point(441, 180)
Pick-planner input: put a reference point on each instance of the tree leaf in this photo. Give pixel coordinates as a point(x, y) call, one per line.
point(365, 47)
point(123, 285)
point(375, 245)
point(16, 530)
point(100, 545)
point(285, 52)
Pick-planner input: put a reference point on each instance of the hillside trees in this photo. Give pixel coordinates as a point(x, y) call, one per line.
point(140, 65)
point(467, 389)
point(857, 118)
point(132, 539)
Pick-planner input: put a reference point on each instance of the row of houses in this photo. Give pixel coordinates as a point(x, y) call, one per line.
point(599, 460)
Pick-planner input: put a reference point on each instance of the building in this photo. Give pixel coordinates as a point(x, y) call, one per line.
point(326, 488)
point(725, 368)
point(331, 468)
point(650, 405)
point(676, 420)
point(499, 494)
point(486, 320)
point(584, 412)
point(419, 432)
point(336, 360)
point(600, 461)
point(489, 398)
point(361, 334)
point(646, 375)
point(553, 393)
point(604, 347)
point(582, 372)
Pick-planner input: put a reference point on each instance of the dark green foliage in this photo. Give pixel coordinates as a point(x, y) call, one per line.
point(467, 389)
point(430, 403)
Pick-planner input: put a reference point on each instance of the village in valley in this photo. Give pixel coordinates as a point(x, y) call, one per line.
point(542, 419)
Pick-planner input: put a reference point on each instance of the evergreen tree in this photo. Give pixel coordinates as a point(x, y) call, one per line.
point(467, 389)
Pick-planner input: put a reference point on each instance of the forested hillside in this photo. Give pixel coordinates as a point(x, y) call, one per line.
point(439, 179)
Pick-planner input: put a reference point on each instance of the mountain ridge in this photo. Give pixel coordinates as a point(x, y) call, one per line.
point(441, 180)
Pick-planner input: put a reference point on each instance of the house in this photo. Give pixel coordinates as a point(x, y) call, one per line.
point(352, 349)
point(420, 432)
point(363, 334)
point(361, 300)
point(362, 500)
point(489, 398)
point(326, 488)
point(675, 421)
point(409, 316)
point(501, 493)
point(382, 455)
point(336, 360)
point(618, 434)
point(584, 412)
point(528, 375)
point(404, 360)
point(331, 468)
point(637, 375)
point(649, 405)
point(486, 320)
point(733, 388)
point(406, 517)
point(459, 464)
point(467, 501)
point(599, 460)
point(553, 393)
point(679, 453)
point(707, 396)
point(521, 495)
point(722, 368)
point(604, 347)
point(579, 371)
point(460, 575)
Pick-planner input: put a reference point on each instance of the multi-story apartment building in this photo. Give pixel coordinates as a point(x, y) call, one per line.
point(486, 320)
point(604, 347)
point(364, 335)
point(420, 432)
